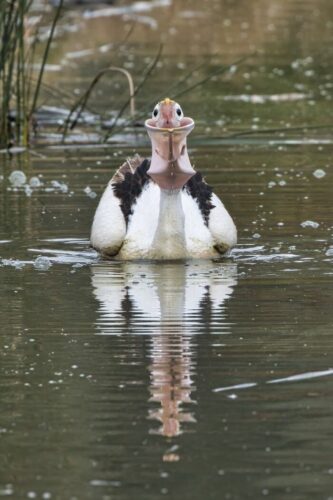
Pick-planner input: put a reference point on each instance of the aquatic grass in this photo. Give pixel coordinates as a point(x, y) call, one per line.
point(79, 107)
point(177, 89)
point(172, 91)
point(147, 73)
point(44, 59)
point(19, 92)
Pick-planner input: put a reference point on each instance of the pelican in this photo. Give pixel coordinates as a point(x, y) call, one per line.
point(162, 208)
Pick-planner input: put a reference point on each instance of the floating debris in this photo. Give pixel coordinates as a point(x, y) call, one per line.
point(310, 223)
point(329, 252)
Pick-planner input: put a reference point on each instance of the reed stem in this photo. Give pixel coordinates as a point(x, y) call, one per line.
point(16, 62)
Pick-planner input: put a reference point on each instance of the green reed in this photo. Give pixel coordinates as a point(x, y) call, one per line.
point(19, 92)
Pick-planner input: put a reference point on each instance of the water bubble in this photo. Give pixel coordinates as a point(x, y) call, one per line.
point(319, 173)
point(17, 178)
point(329, 252)
point(310, 223)
point(35, 182)
point(7, 490)
point(28, 190)
point(63, 188)
point(89, 192)
point(42, 263)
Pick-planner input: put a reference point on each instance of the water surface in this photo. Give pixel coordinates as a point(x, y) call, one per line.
point(194, 379)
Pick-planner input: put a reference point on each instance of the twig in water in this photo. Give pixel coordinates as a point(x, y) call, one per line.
point(143, 113)
point(220, 71)
point(80, 105)
point(146, 75)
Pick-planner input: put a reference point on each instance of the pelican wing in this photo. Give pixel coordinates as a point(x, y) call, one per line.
point(109, 225)
point(213, 212)
point(221, 226)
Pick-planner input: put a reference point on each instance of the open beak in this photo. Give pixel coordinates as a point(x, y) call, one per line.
point(170, 165)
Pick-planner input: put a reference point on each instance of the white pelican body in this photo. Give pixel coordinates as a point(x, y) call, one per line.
point(162, 209)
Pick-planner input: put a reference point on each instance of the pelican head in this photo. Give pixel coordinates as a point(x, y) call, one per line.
point(168, 129)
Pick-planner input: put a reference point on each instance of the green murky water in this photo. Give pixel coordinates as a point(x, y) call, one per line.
point(191, 380)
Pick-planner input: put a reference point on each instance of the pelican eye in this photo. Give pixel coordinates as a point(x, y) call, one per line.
point(155, 112)
point(179, 112)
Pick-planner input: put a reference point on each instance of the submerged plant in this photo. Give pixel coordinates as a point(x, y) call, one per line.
point(19, 92)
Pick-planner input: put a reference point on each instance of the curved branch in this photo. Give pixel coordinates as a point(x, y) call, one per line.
point(81, 103)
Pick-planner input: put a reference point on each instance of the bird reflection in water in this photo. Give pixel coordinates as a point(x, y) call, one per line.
point(171, 372)
point(170, 302)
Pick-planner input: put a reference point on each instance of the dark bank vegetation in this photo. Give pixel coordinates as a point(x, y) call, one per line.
point(19, 87)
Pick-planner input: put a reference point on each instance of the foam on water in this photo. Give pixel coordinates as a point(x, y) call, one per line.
point(67, 256)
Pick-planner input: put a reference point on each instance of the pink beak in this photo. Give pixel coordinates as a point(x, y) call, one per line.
point(170, 165)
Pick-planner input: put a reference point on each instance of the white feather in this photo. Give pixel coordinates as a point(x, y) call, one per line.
point(199, 241)
point(221, 225)
point(142, 224)
point(163, 225)
point(169, 238)
point(109, 227)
